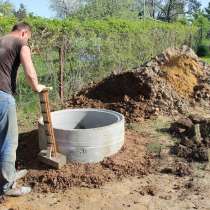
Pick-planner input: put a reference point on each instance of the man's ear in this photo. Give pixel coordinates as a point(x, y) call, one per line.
point(23, 34)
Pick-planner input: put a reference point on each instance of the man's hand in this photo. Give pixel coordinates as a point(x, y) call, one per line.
point(40, 88)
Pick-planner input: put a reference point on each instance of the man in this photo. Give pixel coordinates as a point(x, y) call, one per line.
point(13, 52)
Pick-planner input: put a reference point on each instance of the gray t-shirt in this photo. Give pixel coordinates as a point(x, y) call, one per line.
point(10, 48)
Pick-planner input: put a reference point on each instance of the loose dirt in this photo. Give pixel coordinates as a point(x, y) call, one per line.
point(194, 135)
point(132, 160)
point(187, 187)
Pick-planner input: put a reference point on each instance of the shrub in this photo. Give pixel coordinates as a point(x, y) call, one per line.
point(203, 50)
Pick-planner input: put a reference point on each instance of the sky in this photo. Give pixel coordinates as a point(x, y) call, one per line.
point(38, 7)
point(205, 2)
point(41, 7)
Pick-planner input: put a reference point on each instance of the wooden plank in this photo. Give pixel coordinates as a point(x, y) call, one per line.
point(45, 109)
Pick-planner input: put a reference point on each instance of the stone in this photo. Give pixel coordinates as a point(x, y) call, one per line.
point(196, 119)
point(185, 123)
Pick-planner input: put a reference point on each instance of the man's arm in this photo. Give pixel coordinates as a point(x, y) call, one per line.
point(29, 70)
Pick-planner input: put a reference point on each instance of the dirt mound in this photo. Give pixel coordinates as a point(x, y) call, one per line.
point(182, 73)
point(165, 85)
point(132, 160)
point(194, 133)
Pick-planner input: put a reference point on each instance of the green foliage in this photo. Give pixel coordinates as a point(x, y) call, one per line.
point(21, 13)
point(93, 49)
point(203, 24)
point(173, 10)
point(206, 59)
point(6, 8)
point(207, 10)
point(98, 9)
point(203, 50)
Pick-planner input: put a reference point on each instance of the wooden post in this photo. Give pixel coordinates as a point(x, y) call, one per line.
point(61, 71)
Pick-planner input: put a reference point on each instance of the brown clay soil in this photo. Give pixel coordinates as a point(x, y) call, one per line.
point(132, 160)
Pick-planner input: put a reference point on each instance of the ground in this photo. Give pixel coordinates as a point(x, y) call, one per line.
point(164, 192)
point(171, 184)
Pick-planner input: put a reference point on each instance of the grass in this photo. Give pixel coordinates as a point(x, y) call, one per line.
point(206, 59)
point(153, 127)
point(156, 130)
point(28, 109)
point(206, 42)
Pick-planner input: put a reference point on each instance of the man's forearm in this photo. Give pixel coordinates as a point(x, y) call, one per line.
point(29, 70)
point(32, 80)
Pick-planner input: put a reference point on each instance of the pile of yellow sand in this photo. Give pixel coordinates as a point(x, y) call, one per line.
point(182, 72)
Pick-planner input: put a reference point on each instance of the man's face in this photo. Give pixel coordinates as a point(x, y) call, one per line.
point(25, 35)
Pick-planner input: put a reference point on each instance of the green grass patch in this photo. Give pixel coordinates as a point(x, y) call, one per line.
point(156, 131)
point(155, 128)
point(206, 42)
point(206, 59)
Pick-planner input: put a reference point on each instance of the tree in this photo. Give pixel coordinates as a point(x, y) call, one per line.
point(96, 8)
point(65, 8)
point(21, 13)
point(109, 8)
point(170, 10)
point(207, 10)
point(6, 8)
point(203, 24)
point(194, 6)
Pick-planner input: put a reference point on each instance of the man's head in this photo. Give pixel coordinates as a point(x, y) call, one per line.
point(22, 30)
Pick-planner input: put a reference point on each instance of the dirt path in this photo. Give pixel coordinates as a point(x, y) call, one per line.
point(153, 192)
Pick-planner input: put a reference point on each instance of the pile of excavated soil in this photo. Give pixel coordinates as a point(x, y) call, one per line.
point(182, 72)
point(132, 160)
point(194, 135)
point(165, 85)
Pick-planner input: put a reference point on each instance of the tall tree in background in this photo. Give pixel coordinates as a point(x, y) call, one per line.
point(21, 13)
point(96, 8)
point(109, 8)
point(65, 8)
point(6, 8)
point(166, 10)
point(194, 6)
point(207, 10)
point(170, 10)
